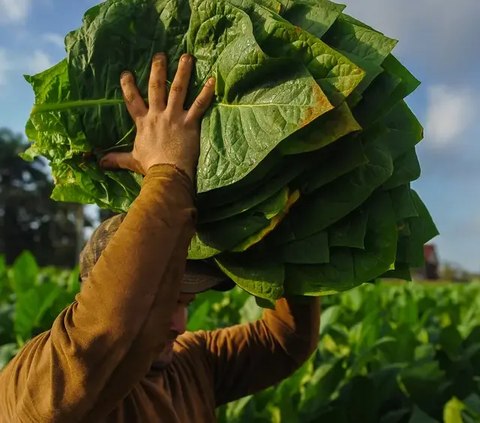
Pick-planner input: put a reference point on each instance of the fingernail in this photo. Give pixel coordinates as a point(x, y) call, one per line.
point(125, 74)
point(211, 82)
point(159, 57)
point(103, 162)
point(186, 58)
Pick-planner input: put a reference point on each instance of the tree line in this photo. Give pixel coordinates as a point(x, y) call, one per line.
point(29, 219)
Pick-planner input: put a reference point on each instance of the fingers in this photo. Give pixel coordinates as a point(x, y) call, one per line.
point(202, 102)
point(120, 161)
point(135, 104)
point(157, 89)
point(178, 91)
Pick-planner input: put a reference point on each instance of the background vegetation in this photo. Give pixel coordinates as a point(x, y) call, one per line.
point(388, 353)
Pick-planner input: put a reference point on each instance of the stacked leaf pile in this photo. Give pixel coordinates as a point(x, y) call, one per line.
point(307, 153)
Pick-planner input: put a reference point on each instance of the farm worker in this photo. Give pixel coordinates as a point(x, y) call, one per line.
point(121, 352)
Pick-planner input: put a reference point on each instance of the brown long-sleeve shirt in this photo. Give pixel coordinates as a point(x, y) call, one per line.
point(95, 364)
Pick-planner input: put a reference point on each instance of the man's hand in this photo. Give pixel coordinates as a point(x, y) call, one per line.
point(166, 133)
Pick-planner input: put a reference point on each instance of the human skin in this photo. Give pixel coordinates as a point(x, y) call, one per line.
point(166, 134)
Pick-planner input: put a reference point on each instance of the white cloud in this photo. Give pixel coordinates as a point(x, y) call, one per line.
point(39, 62)
point(30, 64)
point(450, 113)
point(439, 35)
point(55, 39)
point(14, 10)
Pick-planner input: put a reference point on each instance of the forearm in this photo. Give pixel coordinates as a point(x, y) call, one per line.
point(105, 342)
point(295, 326)
point(139, 262)
point(251, 357)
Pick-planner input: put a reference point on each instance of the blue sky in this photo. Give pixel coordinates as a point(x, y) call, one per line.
point(438, 43)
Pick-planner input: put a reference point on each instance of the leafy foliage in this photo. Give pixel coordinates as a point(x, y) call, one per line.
point(309, 141)
point(28, 218)
point(387, 353)
point(30, 300)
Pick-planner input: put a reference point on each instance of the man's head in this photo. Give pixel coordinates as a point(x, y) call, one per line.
point(199, 277)
point(178, 326)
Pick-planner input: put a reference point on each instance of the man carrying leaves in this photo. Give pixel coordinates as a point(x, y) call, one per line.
point(120, 352)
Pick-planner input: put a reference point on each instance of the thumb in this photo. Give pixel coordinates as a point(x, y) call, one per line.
point(119, 161)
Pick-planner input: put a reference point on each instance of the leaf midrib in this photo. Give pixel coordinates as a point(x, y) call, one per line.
point(52, 107)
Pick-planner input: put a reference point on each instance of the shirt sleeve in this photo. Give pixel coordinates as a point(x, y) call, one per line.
point(104, 343)
point(248, 358)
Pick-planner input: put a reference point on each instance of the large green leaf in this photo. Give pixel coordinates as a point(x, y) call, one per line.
point(277, 183)
point(254, 101)
point(406, 169)
point(423, 229)
point(350, 267)
point(335, 200)
point(322, 279)
point(350, 35)
point(380, 240)
point(332, 162)
point(289, 404)
point(400, 271)
point(228, 233)
point(7, 352)
point(314, 16)
point(99, 52)
point(6, 324)
point(54, 123)
point(264, 279)
point(451, 341)
point(31, 306)
point(422, 383)
point(198, 250)
point(321, 132)
point(350, 231)
point(311, 250)
point(400, 130)
point(370, 107)
point(408, 85)
point(395, 84)
point(276, 217)
point(336, 74)
point(255, 110)
point(365, 47)
point(403, 203)
point(25, 272)
point(323, 385)
point(270, 167)
point(452, 413)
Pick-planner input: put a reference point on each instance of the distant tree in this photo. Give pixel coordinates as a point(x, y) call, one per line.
point(449, 273)
point(455, 273)
point(29, 219)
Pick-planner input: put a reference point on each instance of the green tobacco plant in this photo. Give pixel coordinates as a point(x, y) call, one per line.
point(388, 353)
point(32, 300)
point(307, 152)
